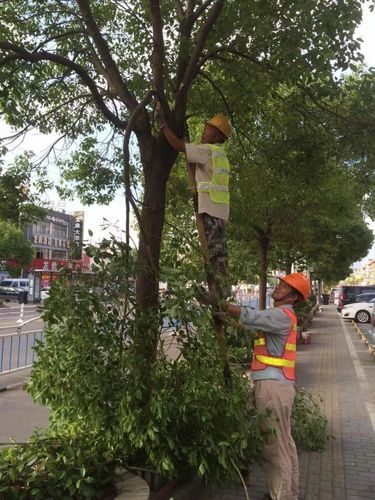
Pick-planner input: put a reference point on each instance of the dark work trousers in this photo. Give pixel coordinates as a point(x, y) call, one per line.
point(217, 247)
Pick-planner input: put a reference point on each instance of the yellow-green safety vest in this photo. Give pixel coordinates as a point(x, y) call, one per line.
point(218, 187)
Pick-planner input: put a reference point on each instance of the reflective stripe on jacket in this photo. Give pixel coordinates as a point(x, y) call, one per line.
point(286, 362)
point(218, 187)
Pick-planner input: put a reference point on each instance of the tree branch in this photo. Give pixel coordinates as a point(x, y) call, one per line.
point(57, 37)
point(204, 6)
point(129, 199)
point(179, 10)
point(157, 47)
point(192, 67)
point(115, 78)
point(25, 55)
point(186, 26)
point(219, 91)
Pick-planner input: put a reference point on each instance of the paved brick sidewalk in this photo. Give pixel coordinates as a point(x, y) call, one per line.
point(338, 366)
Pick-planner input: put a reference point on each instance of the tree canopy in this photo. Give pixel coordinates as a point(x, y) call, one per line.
point(13, 244)
point(86, 70)
point(20, 191)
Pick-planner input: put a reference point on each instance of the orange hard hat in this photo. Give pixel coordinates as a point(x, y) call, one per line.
point(222, 123)
point(299, 282)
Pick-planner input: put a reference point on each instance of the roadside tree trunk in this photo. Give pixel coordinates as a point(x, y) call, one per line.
point(157, 159)
point(263, 245)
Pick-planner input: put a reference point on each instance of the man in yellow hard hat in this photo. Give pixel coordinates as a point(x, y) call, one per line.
point(211, 166)
point(273, 372)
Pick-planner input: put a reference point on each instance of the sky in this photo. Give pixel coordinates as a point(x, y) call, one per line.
point(114, 213)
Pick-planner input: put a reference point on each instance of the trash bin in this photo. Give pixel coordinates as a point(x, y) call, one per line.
point(325, 299)
point(22, 297)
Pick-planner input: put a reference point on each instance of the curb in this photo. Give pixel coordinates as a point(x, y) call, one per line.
point(4, 388)
point(364, 339)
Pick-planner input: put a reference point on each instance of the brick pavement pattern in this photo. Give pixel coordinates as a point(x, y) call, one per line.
point(337, 366)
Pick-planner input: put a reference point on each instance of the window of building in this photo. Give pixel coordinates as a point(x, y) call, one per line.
point(59, 231)
point(59, 254)
point(41, 228)
point(41, 253)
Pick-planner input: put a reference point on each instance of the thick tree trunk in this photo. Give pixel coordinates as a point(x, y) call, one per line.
point(263, 241)
point(157, 159)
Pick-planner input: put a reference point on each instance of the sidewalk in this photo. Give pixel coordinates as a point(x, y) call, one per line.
point(338, 366)
point(19, 415)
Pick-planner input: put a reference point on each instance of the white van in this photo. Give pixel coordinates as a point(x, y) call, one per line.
point(16, 282)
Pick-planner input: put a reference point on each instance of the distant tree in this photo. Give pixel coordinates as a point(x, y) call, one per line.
point(20, 190)
point(13, 245)
point(296, 190)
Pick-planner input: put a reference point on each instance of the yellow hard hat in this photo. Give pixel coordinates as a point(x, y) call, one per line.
point(222, 123)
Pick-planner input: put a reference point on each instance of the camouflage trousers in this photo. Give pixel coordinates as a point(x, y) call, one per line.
point(217, 247)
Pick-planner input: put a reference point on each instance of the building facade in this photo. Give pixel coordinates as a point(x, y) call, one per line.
point(53, 237)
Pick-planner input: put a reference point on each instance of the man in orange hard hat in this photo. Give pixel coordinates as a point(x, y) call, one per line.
point(210, 163)
point(273, 372)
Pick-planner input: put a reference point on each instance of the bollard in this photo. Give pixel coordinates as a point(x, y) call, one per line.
point(20, 319)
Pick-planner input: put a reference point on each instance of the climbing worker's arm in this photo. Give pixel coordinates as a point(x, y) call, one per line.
point(176, 143)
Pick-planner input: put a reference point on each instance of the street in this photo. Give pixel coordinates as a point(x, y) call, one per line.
point(11, 313)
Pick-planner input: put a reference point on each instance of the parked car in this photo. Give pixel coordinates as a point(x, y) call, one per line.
point(348, 294)
point(8, 293)
point(359, 311)
point(44, 294)
point(365, 297)
point(16, 282)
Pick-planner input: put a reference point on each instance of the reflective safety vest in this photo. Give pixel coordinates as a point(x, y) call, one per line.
point(218, 187)
point(286, 362)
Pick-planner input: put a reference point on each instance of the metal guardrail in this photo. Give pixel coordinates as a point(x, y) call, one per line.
point(17, 349)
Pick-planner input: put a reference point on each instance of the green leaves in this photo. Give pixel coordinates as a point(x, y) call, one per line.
point(20, 191)
point(63, 466)
point(309, 426)
point(13, 244)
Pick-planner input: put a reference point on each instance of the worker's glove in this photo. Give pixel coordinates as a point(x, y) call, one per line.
point(160, 116)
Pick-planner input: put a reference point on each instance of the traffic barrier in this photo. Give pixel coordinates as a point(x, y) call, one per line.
point(17, 349)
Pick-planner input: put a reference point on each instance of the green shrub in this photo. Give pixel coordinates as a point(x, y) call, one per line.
point(63, 467)
point(309, 426)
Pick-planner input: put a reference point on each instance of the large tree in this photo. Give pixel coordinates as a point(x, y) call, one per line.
point(84, 69)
